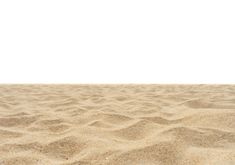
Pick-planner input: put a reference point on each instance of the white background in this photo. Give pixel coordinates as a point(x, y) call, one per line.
point(117, 41)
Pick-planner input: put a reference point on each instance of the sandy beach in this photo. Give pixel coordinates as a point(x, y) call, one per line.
point(117, 124)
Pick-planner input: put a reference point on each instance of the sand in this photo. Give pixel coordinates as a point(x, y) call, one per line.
point(117, 124)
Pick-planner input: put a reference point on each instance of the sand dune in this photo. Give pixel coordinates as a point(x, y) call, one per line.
point(117, 124)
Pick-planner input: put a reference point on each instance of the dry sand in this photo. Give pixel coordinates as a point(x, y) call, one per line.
point(117, 124)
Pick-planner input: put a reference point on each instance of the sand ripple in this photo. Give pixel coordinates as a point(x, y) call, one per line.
point(117, 124)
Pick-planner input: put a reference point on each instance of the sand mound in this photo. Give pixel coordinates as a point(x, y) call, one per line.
point(117, 124)
point(64, 148)
point(6, 135)
point(22, 160)
point(160, 153)
point(136, 131)
point(16, 121)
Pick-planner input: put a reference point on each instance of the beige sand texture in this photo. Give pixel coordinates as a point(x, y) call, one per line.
point(117, 124)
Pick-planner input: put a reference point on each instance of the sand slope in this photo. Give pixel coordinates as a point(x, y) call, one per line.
point(117, 124)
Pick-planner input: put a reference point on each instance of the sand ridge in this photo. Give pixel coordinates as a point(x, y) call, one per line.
point(117, 124)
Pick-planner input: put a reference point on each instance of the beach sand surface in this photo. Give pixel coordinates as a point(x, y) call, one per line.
point(117, 124)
